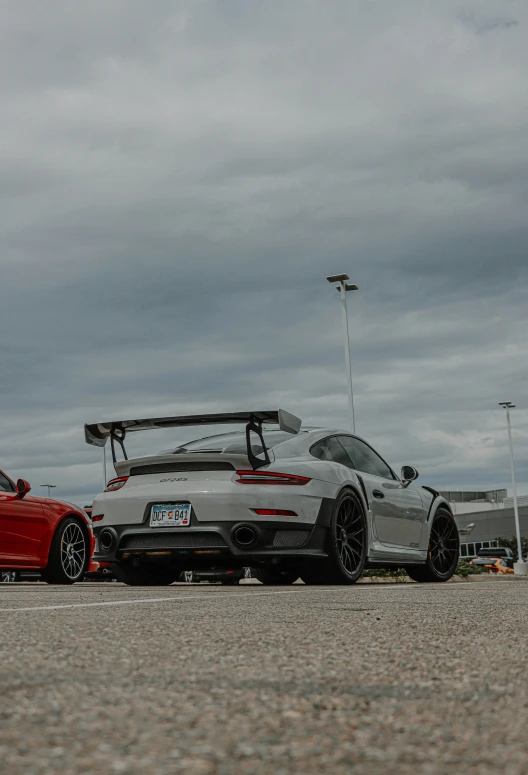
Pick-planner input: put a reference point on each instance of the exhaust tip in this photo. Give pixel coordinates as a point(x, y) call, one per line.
point(244, 536)
point(107, 539)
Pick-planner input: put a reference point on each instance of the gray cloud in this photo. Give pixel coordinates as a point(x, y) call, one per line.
point(177, 181)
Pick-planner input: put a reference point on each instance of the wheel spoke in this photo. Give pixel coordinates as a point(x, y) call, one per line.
point(348, 560)
point(72, 551)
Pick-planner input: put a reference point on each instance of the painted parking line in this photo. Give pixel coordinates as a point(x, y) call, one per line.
point(140, 601)
point(183, 599)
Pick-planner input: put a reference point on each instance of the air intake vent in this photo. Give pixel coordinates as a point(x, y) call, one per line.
point(147, 541)
point(170, 468)
point(288, 539)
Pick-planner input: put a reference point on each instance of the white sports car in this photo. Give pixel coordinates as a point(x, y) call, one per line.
point(318, 504)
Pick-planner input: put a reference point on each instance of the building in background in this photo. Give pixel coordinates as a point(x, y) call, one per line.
point(482, 517)
point(468, 501)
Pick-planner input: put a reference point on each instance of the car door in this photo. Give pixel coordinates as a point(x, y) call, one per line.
point(21, 525)
point(398, 512)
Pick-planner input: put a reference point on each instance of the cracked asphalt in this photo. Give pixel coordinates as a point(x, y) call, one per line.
point(205, 679)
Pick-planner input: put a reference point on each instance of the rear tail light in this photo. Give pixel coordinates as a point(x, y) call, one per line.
point(98, 517)
point(270, 477)
point(116, 484)
point(275, 512)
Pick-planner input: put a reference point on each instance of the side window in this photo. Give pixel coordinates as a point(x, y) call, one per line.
point(5, 484)
point(364, 458)
point(331, 449)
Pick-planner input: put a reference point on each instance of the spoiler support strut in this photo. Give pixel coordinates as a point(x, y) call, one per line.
point(114, 436)
point(255, 426)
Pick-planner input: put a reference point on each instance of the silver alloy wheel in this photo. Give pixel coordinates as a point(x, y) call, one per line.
point(73, 551)
point(8, 576)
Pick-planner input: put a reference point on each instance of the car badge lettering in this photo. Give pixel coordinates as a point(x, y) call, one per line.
point(175, 479)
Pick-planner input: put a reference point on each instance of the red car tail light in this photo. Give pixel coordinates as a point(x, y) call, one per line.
point(116, 484)
point(98, 517)
point(270, 477)
point(275, 512)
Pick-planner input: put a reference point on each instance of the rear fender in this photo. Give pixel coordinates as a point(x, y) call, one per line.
point(357, 489)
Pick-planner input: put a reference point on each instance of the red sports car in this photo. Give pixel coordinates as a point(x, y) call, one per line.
point(43, 534)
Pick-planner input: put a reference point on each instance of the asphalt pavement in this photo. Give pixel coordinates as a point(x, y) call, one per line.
point(206, 679)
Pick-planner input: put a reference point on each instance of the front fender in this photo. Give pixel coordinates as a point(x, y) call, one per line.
point(436, 503)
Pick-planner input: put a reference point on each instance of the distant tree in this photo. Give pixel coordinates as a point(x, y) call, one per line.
point(511, 543)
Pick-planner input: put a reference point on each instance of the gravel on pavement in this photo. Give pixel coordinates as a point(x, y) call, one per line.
point(254, 680)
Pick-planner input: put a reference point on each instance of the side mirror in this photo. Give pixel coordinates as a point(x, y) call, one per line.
point(408, 475)
point(22, 488)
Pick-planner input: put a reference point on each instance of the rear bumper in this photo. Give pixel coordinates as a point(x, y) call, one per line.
point(203, 544)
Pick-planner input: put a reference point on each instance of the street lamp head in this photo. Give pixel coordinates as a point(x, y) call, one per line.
point(338, 278)
point(351, 287)
point(506, 404)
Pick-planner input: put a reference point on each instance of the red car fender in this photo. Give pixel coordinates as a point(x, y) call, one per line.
point(56, 512)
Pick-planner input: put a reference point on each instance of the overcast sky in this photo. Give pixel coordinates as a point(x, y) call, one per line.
point(177, 179)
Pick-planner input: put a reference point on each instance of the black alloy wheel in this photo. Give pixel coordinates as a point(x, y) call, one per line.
point(443, 552)
point(347, 545)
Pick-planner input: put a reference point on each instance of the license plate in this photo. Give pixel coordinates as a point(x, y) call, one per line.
point(170, 515)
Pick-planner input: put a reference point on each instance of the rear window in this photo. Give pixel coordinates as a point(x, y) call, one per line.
point(231, 443)
point(500, 551)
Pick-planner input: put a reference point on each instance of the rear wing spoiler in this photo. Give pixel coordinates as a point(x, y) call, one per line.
point(98, 434)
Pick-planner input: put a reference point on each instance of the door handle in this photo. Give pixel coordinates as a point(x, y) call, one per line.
point(378, 494)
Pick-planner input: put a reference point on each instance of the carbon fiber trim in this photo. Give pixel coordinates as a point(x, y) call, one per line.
point(184, 540)
point(287, 539)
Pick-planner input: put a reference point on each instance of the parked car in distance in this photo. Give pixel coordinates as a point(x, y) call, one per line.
point(221, 575)
point(496, 552)
point(42, 535)
point(14, 576)
point(494, 564)
point(9, 576)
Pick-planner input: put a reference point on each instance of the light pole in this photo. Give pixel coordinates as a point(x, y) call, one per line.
point(343, 286)
point(50, 487)
point(508, 405)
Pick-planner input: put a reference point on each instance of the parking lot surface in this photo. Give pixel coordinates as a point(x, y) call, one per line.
point(396, 678)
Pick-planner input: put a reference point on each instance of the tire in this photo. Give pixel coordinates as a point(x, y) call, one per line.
point(347, 545)
point(443, 551)
point(9, 576)
point(274, 576)
point(146, 576)
point(68, 556)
